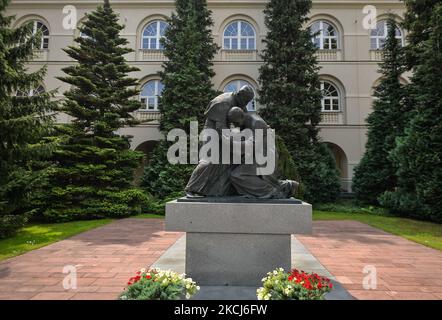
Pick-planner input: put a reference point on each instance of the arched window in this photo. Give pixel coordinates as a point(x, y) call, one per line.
point(239, 35)
point(150, 93)
point(41, 27)
point(324, 35)
point(378, 36)
point(235, 85)
point(32, 92)
point(152, 34)
point(330, 97)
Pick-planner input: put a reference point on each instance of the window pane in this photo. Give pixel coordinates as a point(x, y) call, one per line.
point(234, 44)
point(152, 43)
point(247, 30)
point(243, 44)
point(45, 43)
point(231, 30)
point(381, 43)
point(151, 104)
point(226, 43)
point(327, 105)
point(145, 44)
point(252, 44)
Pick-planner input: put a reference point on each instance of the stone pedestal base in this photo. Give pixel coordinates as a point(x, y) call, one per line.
point(236, 244)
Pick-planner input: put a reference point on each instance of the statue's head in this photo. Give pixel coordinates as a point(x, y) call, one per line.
point(244, 96)
point(236, 116)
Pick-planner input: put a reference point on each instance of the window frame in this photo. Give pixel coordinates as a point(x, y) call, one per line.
point(239, 37)
point(45, 39)
point(157, 36)
point(330, 98)
point(322, 37)
point(378, 38)
point(32, 92)
point(240, 83)
point(155, 97)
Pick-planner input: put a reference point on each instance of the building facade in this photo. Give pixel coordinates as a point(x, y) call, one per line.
point(349, 43)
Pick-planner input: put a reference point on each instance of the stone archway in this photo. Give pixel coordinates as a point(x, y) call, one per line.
point(341, 164)
point(145, 147)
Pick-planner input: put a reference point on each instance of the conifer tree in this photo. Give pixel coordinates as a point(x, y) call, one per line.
point(24, 121)
point(291, 96)
point(187, 76)
point(376, 174)
point(418, 154)
point(94, 165)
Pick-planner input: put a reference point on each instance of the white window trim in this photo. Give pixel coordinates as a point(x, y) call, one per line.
point(238, 86)
point(331, 99)
point(384, 37)
point(155, 97)
point(323, 37)
point(157, 36)
point(35, 30)
point(239, 37)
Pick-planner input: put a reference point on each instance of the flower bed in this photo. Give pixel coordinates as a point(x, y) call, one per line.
point(158, 284)
point(295, 285)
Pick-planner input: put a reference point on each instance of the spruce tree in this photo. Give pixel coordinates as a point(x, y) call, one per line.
point(376, 174)
point(417, 22)
point(292, 98)
point(187, 76)
point(94, 165)
point(418, 154)
point(24, 121)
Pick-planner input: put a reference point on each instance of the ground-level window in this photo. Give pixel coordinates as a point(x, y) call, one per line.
point(235, 85)
point(150, 93)
point(330, 97)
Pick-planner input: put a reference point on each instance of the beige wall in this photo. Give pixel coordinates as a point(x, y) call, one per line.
point(353, 68)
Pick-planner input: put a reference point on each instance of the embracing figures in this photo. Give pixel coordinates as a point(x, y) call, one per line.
point(226, 112)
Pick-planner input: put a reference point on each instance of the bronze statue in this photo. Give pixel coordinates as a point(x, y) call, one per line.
point(218, 180)
point(210, 179)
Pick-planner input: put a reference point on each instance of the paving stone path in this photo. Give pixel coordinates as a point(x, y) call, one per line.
point(404, 269)
point(104, 259)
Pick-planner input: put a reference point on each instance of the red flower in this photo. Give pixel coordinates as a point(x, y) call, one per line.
point(330, 286)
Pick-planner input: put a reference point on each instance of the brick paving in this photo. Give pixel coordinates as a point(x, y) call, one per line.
point(405, 269)
point(104, 258)
point(107, 256)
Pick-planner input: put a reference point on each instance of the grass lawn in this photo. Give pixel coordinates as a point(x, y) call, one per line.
point(426, 233)
point(35, 236)
point(149, 216)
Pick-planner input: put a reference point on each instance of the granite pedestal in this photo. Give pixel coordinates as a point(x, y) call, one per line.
point(237, 243)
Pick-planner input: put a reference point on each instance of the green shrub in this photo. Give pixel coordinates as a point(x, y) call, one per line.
point(162, 179)
point(10, 224)
point(103, 204)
